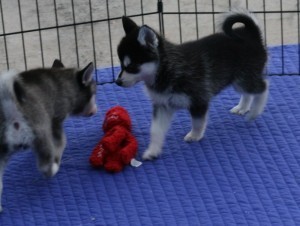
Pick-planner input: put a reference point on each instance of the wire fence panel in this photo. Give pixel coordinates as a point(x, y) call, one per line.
point(279, 20)
point(81, 31)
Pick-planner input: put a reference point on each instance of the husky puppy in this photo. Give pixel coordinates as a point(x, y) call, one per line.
point(190, 74)
point(33, 106)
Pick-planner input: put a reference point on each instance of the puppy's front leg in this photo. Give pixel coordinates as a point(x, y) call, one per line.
point(161, 119)
point(49, 147)
point(59, 139)
point(199, 122)
point(45, 151)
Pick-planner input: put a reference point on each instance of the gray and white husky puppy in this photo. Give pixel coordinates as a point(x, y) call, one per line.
point(188, 75)
point(33, 106)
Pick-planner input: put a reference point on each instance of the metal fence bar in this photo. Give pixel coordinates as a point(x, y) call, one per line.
point(124, 5)
point(282, 38)
point(160, 11)
point(75, 34)
point(57, 30)
point(134, 15)
point(142, 11)
point(179, 21)
point(219, 12)
point(196, 10)
point(40, 32)
point(110, 42)
point(265, 27)
point(72, 24)
point(4, 38)
point(23, 42)
point(213, 15)
point(93, 38)
point(298, 26)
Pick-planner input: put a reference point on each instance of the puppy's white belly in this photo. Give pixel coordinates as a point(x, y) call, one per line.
point(173, 100)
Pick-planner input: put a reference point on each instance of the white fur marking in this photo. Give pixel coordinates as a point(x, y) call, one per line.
point(143, 32)
point(141, 36)
point(175, 100)
point(13, 136)
point(130, 79)
point(234, 11)
point(244, 105)
point(54, 169)
point(7, 79)
point(49, 169)
point(90, 108)
point(126, 61)
point(198, 129)
point(147, 73)
point(159, 127)
point(258, 104)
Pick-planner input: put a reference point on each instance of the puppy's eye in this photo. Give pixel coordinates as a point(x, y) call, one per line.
point(132, 68)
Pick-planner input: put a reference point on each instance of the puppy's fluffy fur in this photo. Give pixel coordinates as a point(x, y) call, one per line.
point(190, 74)
point(33, 106)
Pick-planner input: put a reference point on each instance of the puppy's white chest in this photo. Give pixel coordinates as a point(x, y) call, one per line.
point(173, 100)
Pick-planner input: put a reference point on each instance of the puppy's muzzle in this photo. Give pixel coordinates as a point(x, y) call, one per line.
point(93, 111)
point(119, 82)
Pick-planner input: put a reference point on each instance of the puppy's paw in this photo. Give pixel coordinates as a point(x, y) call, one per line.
point(252, 115)
point(193, 137)
point(49, 170)
point(239, 110)
point(54, 169)
point(151, 154)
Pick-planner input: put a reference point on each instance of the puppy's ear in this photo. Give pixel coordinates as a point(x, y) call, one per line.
point(128, 24)
point(86, 74)
point(147, 37)
point(57, 64)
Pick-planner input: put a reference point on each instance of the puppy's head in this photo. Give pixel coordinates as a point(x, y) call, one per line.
point(86, 94)
point(138, 53)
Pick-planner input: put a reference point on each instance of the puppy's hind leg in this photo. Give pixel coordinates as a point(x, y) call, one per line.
point(244, 105)
point(199, 123)
point(254, 97)
point(259, 102)
point(161, 119)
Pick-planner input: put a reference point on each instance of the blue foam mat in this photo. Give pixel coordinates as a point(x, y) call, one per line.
point(240, 173)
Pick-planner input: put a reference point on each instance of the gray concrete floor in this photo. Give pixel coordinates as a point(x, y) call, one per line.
point(76, 41)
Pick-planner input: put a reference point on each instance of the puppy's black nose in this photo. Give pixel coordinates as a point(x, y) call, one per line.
point(119, 82)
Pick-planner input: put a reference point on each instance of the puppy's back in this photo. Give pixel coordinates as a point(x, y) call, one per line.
point(48, 91)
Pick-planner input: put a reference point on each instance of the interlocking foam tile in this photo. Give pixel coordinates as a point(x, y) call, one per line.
point(241, 173)
point(284, 59)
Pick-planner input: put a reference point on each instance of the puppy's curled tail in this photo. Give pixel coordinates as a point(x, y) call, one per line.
point(245, 18)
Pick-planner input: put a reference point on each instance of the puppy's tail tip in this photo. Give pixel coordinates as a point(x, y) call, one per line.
point(243, 17)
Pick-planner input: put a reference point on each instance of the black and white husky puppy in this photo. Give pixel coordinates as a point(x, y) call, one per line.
point(190, 74)
point(33, 106)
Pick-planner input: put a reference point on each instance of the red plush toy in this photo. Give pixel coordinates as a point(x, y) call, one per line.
point(118, 146)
